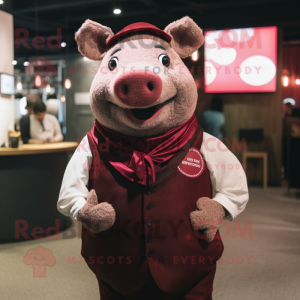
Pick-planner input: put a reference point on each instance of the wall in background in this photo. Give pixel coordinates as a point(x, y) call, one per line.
point(79, 118)
point(6, 58)
point(256, 110)
point(291, 63)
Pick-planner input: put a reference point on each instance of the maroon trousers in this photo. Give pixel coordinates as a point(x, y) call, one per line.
point(150, 291)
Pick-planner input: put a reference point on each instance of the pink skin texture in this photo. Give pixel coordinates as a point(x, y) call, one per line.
point(138, 54)
point(138, 79)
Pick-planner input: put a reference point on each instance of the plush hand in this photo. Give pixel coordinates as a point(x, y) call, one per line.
point(207, 217)
point(95, 216)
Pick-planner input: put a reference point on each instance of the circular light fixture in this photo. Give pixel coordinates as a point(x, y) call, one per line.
point(68, 84)
point(48, 88)
point(195, 56)
point(26, 63)
point(14, 62)
point(117, 11)
point(19, 85)
point(297, 81)
point(63, 44)
point(63, 98)
point(1, 1)
point(38, 81)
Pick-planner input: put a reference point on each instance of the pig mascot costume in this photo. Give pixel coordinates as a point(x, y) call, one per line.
point(148, 185)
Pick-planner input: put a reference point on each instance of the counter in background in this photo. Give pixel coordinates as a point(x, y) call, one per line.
point(39, 149)
point(30, 181)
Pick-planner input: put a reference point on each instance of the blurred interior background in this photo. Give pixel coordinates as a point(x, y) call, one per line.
point(56, 22)
point(259, 121)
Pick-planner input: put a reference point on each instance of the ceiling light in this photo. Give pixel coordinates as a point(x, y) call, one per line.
point(19, 86)
point(14, 62)
point(195, 56)
point(48, 88)
point(297, 81)
point(285, 77)
point(63, 44)
point(117, 11)
point(26, 63)
point(68, 84)
point(38, 81)
point(1, 1)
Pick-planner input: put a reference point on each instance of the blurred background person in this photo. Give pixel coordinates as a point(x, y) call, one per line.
point(287, 109)
point(213, 119)
point(290, 127)
point(296, 112)
point(43, 127)
point(24, 123)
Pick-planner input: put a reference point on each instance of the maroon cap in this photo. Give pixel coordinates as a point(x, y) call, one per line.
point(139, 27)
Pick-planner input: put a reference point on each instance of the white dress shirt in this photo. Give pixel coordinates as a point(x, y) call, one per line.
point(226, 174)
point(51, 128)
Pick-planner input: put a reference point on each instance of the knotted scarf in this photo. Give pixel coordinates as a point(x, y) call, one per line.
point(136, 158)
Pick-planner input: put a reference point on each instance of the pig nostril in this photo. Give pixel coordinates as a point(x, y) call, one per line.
point(150, 86)
point(137, 89)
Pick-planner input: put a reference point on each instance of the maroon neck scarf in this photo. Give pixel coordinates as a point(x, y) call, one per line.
point(136, 158)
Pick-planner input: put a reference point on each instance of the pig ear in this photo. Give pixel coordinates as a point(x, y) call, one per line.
point(187, 36)
point(91, 39)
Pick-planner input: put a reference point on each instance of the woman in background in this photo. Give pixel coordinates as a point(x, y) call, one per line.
point(213, 119)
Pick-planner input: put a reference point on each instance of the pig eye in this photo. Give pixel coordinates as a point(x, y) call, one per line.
point(164, 59)
point(113, 63)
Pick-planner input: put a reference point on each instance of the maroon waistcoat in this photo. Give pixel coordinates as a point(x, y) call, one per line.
point(152, 228)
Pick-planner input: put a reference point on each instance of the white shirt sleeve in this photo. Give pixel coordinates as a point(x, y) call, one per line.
point(74, 191)
point(57, 135)
point(227, 176)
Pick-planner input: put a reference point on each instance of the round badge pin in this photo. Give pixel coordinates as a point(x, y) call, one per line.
point(193, 164)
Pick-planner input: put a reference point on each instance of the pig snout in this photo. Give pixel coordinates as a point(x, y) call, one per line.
point(138, 89)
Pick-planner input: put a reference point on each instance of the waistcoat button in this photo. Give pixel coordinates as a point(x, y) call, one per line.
point(149, 239)
point(150, 253)
point(149, 206)
point(149, 223)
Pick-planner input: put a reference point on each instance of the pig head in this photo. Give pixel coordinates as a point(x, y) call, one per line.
point(142, 87)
